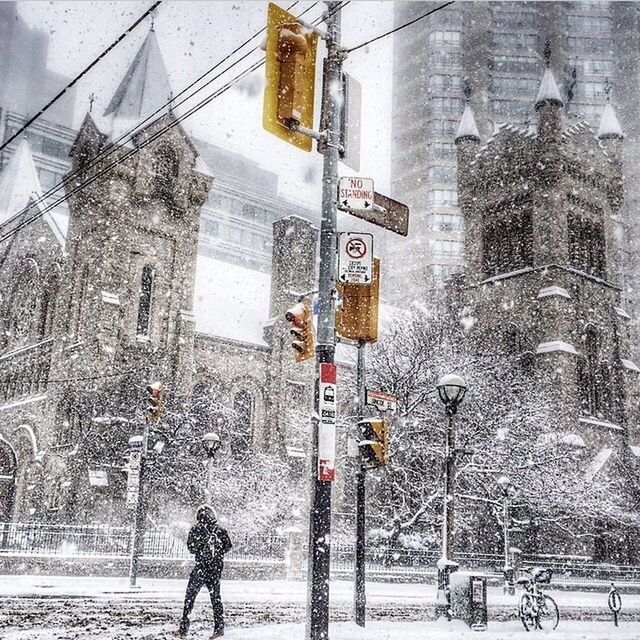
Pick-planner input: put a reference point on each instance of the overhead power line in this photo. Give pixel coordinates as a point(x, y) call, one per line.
point(81, 74)
point(113, 146)
point(155, 136)
point(403, 26)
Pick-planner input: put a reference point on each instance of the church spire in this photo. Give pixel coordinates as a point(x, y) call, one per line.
point(467, 129)
point(548, 92)
point(609, 126)
point(144, 88)
point(19, 184)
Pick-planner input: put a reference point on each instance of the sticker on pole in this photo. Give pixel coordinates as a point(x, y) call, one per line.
point(327, 409)
point(355, 193)
point(355, 262)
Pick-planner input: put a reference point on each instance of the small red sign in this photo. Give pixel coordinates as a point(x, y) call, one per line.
point(326, 471)
point(328, 373)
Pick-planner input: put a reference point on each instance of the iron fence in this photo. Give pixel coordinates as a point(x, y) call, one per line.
point(95, 540)
point(161, 543)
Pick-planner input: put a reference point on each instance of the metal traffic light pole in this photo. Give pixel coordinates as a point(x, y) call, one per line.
point(320, 504)
point(359, 594)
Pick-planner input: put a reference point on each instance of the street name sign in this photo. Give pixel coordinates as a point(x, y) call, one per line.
point(381, 400)
point(387, 213)
point(355, 193)
point(355, 258)
point(327, 427)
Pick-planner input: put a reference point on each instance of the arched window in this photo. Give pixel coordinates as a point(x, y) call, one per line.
point(588, 373)
point(243, 407)
point(512, 341)
point(166, 167)
point(83, 297)
point(48, 305)
point(69, 427)
point(586, 245)
point(144, 303)
point(7, 480)
point(21, 314)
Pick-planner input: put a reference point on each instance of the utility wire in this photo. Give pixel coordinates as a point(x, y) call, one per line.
point(111, 148)
point(402, 26)
point(133, 151)
point(6, 383)
point(81, 74)
point(146, 142)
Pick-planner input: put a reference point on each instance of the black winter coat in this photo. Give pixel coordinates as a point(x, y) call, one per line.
point(209, 543)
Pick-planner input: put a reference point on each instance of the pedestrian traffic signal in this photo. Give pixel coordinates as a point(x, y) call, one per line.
point(357, 316)
point(301, 317)
point(155, 409)
point(290, 77)
point(374, 445)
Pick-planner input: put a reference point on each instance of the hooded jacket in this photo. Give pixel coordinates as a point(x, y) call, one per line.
point(208, 541)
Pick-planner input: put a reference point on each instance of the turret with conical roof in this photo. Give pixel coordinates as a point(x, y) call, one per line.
point(468, 142)
point(549, 106)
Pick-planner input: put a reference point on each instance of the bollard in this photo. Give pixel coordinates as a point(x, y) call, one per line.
point(615, 603)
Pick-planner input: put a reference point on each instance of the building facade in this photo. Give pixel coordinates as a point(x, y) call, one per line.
point(496, 50)
point(100, 302)
point(542, 208)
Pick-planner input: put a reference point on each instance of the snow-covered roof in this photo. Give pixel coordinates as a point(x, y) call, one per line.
point(600, 423)
point(628, 364)
point(548, 91)
point(553, 291)
point(467, 129)
point(609, 125)
point(622, 313)
point(144, 89)
point(231, 301)
point(556, 345)
point(566, 438)
point(19, 184)
point(598, 462)
point(20, 187)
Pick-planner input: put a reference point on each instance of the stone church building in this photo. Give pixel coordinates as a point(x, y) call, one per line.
point(544, 281)
point(99, 300)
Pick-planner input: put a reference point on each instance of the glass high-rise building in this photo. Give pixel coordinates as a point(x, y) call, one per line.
point(495, 51)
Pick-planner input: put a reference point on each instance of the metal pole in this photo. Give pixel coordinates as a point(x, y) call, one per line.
point(446, 567)
point(508, 588)
point(320, 507)
point(359, 595)
point(209, 491)
point(137, 547)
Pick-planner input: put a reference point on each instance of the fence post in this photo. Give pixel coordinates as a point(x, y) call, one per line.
point(294, 554)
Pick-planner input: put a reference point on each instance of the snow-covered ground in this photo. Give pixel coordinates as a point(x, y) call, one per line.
point(85, 608)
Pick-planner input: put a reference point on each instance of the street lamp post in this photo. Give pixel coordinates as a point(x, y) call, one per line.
point(451, 389)
point(211, 443)
point(507, 491)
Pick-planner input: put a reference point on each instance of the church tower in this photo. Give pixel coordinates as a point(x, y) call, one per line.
point(125, 313)
point(543, 246)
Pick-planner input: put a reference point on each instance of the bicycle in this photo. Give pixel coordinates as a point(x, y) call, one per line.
point(536, 609)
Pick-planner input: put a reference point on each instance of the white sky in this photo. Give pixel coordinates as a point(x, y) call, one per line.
point(193, 36)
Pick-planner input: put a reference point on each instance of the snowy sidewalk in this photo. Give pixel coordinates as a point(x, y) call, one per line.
point(83, 608)
point(258, 591)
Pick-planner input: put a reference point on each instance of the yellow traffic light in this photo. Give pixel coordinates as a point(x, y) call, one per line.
point(155, 410)
point(374, 446)
point(289, 91)
point(301, 318)
point(357, 318)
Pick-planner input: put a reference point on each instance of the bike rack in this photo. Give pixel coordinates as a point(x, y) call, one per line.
point(615, 603)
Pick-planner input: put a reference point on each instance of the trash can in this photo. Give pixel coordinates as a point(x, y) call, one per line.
point(469, 600)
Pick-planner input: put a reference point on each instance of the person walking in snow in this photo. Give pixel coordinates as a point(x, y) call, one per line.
point(208, 542)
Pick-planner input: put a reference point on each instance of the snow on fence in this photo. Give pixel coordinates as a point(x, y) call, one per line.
point(95, 540)
point(103, 541)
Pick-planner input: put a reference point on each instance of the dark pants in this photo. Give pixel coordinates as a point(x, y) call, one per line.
point(198, 578)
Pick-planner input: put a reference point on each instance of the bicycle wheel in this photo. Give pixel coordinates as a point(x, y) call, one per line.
point(525, 611)
point(548, 613)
